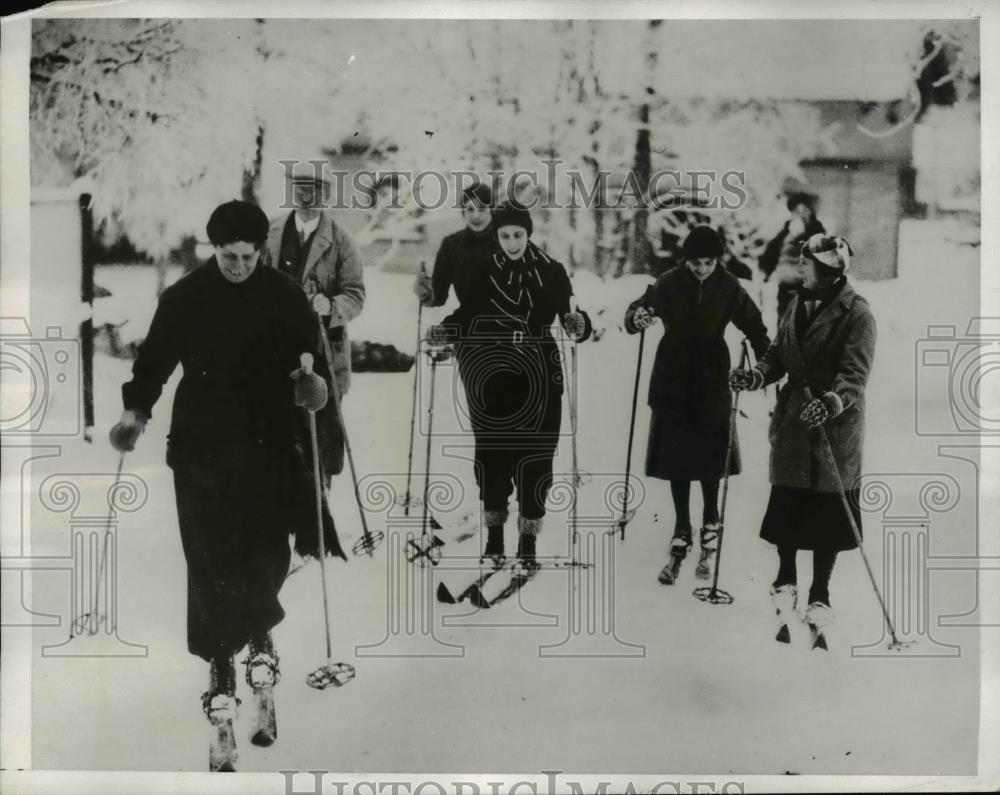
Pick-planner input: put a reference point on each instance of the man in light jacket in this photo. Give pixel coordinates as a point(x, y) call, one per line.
point(320, 255)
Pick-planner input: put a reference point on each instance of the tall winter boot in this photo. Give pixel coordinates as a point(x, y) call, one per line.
point(528, 530)
point(784, 598)
point(494, 551)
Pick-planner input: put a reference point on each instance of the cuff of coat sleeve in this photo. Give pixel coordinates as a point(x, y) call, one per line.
point(630, 326)
point(834, 404)
point(335, 319)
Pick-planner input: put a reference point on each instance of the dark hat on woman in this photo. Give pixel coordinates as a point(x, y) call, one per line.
point(702, 242)
point(237, 220)
point(795, 199)
point(512, 214)
point(479, 193)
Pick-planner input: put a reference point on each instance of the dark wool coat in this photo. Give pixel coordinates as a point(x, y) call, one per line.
point(331, 265)
point(689, 387)
point(454, 265)
point(512, 369)
point(242, 474)
point(832, 354)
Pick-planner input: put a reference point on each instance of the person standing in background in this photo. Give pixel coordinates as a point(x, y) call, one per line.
point(780, 260)
point(458, 251)
point(308, 245)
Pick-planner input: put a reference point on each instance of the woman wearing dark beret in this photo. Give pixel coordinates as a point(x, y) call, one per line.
point(241, 475)
point(513, 375)
point(688, 391)
point(825, 345)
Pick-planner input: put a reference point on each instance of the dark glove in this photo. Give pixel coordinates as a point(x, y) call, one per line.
point(575, 324)
point(126, 432)
point(437, 336)
point(749, 380)
point(819, 410)
point(310, 390)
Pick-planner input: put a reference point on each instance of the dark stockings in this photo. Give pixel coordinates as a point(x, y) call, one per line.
point(823, 562)
point(680, 490)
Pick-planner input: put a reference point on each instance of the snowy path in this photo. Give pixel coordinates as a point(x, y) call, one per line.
point(712, 692)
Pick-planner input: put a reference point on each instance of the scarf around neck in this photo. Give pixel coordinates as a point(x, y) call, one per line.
point(511, 283)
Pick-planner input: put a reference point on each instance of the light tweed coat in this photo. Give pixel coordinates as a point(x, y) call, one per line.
point(834, 355)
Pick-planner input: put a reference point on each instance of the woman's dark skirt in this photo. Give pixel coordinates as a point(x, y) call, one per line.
point(806, 519)
point(685, 446)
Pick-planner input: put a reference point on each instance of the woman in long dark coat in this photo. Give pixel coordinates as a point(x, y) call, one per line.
point(241, 476)
point(513, 374)
point(688, 391)
point(825, 345)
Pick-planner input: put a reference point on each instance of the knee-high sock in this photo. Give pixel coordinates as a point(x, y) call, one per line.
point(823, 561)
point(680, 490)
point(710, 498)
point(787, 573)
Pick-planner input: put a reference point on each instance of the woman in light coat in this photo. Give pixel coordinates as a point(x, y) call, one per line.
point(825, 345)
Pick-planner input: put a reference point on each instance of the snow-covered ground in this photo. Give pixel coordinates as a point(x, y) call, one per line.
point(696, 687)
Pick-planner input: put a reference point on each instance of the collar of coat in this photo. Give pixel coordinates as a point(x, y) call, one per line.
point(830, 313)
point(326, 234)
point(712, 278)
point(802, 349)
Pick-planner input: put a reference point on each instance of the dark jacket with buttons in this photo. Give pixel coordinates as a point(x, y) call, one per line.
point(692, 360)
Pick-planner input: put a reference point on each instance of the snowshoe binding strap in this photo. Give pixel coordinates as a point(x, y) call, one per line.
point(710, 536)
point(820, 615)
point(331, 675)
point(785, 599)
point(219, 707)
point(525, 567)
point(262, 669)
point(679, 545)
point(495, 561)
